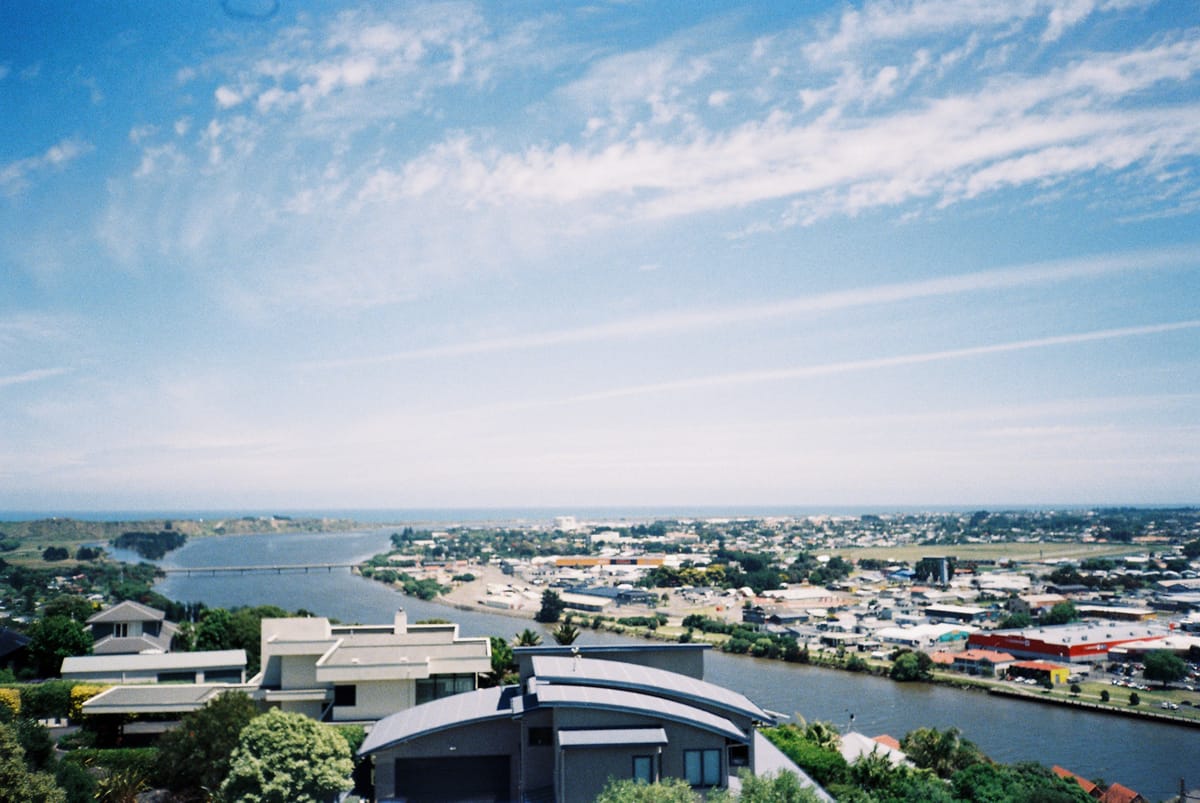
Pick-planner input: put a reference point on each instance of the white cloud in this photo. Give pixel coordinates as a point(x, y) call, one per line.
point(15, 176)
point(35, 375)
point(876, 363)
point(227, 98)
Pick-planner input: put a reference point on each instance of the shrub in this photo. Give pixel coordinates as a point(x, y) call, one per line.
point(10, 699)
point(80, 694)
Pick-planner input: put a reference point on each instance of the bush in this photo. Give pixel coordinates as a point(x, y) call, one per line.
point(49, 699)
point(10, 701)
point(80, 694)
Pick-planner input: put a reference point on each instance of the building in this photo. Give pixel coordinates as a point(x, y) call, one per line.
point(578, 719)
point(210, 666)
point(964, 614)
point(982, 662)
point(1076, 643)
point(130, 627)
point(1040, 671)
point(346, 673)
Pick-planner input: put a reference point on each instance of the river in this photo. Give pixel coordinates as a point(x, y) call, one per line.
point(1146, 756)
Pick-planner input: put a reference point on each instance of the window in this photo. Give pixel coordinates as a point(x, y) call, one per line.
point(345, 695)
point(702, 767)
point(643, 769)
point(540, 737)
point(439, 686)
point(120, 629)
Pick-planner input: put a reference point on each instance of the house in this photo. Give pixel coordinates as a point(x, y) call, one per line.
point(578, 719)
point(1116, 793)
point(1089, 788)
point(130, 627)
point(210, 666)
point(982, 662)
point(856, 745)
point(1075, 643)
point(360, 673)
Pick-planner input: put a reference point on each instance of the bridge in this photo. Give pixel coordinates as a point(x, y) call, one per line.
point(284, 568)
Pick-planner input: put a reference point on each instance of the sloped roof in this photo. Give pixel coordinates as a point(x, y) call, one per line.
point(448, 712)
point(156, 699)
point(127, 611)
point(1116, 793)
point(633, 677)
point(552, 695)
point(1084, 783)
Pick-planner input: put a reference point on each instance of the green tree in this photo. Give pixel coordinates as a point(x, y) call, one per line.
point(565, 633)
point(503, 664)
point(943, 752)
point(908, 666)
point(627, 790)
point(552, 607)
point(1165, 666)
point(17, 783)
point(1061, 614)
point(54, 638)
point(195, 755)
point(528, 638)
point(284, 757)
point(1104, 695)
point(780, 787)
point(985, 782)
point(71, 606)
point(1016, 621)
point(214, 631)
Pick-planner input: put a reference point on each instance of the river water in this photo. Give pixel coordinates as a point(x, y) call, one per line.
point(1148, 757)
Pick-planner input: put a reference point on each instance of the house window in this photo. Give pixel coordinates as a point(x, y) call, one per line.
point(345, 695)
point(541, 737)
point(120, 629)
point(702, 767)
point(643, 769)
point(439, 686)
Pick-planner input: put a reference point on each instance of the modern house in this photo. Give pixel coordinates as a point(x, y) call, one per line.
point(211, 666)
point(361, 673)
point(130, 627)
point(578, 718)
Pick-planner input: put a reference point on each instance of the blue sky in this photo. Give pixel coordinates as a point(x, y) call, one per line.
point(454, 254)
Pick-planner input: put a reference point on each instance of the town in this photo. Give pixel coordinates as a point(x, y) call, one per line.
point(1093, 609)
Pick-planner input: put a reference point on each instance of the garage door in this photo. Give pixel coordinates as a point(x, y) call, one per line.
point(453, 780)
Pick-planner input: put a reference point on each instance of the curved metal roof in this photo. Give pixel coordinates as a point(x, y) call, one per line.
point(633, 677)
point(552, 695)
point(448, 712)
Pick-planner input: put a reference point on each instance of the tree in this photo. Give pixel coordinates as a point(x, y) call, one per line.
point(1165, 666)
point(528, 638)
point(1104, 695)
point(910, 666)
point(55, 553)
point(1061, 614)
point(71, 606)
point(552, 607)
point(196, 754)
point(54, 638)
point(503, 665)
point(1134, 698)
point(943, 752)
point(566, 633)
point(1016, 621)
point(17, 783)
point(1076, 689)
point(985, 782)
point(285, 757)
point(627, 790)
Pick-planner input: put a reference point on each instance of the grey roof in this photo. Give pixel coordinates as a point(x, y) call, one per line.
point(622, 675)
point(448, 712)
point(551, 695)
point(608, 737)
point(152, 662)
point(128, 611)
point(155, 699)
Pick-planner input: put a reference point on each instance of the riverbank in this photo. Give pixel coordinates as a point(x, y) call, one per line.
point(467, 596)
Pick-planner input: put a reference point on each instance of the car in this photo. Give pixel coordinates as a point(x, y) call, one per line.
point(1164, 704)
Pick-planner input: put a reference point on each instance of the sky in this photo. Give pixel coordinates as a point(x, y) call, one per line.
point(260, 254)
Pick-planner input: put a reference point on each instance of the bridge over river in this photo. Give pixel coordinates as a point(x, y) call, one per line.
point(282, 568)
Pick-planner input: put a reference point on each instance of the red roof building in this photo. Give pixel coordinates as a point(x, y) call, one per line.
point(1072, 643)
point(1088, 787)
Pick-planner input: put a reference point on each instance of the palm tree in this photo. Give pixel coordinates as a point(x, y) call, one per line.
point(566, 633)
point(528, 638)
